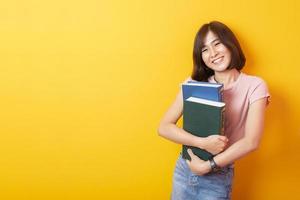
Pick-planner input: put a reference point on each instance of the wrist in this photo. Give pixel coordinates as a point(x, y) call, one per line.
point(213, 165)
point(199, 142)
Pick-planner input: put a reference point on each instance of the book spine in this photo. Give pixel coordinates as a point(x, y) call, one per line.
point(221, 91)
point(222, 128)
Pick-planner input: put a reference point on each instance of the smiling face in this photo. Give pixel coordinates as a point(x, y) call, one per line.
point(215, 54)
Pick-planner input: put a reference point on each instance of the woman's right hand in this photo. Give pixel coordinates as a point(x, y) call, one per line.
point(215, 144)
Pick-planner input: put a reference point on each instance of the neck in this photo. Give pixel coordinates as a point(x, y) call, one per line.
point(227, 77)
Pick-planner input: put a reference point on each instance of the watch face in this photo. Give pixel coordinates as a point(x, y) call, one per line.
point(213, 165)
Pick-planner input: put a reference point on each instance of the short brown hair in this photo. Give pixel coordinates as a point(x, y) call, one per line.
point(200, 71)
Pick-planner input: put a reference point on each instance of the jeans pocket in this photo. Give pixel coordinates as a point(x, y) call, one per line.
point(181, 163)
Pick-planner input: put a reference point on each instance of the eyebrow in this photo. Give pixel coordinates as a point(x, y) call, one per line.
point(211, 41)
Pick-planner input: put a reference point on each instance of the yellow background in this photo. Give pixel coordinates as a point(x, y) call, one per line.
point(84, 84)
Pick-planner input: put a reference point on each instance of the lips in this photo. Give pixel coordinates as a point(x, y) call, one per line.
point(218, 60)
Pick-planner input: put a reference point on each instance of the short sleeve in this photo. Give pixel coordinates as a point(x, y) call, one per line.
point(259, 91)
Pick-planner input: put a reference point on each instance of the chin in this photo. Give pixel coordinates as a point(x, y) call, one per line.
point(220, 68)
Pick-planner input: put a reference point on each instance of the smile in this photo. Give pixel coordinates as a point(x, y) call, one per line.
point(218, 60)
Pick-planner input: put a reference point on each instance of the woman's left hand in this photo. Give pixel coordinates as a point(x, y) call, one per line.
point(198, 166)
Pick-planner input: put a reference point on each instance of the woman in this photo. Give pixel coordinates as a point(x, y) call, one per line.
point(217, 57)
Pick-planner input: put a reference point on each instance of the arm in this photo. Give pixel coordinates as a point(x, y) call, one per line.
point(253, 132)
point(169, 130)
point(250, 141)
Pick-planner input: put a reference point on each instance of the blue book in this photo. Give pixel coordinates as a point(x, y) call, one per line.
point(204, 90)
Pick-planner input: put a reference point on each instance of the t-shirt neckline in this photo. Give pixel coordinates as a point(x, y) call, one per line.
point(231, 85)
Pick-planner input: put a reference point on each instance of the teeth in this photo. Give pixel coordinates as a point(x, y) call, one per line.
point(217, 60)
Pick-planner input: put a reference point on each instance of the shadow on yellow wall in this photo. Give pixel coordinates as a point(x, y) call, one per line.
point(272, 172)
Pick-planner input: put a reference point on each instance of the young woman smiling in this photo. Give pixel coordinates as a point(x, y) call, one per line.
point(217, 57)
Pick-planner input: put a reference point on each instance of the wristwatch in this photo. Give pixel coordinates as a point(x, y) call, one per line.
point(213, 165)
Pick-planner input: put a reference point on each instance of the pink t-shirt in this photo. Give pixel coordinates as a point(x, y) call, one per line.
point(238, 96)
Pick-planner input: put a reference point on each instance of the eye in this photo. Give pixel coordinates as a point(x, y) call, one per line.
point(203, 50)
point(217, 43)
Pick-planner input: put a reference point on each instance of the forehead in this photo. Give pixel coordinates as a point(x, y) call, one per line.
point(209, 38)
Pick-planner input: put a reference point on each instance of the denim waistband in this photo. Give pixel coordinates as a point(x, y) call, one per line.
point(229, 166)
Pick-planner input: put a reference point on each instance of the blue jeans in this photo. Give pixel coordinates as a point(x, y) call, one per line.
point(212, 186)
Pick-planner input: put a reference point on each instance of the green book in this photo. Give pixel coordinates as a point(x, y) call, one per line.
point(202, 118)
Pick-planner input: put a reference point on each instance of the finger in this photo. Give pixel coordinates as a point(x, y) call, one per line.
point(223, 138)
point(190, 152)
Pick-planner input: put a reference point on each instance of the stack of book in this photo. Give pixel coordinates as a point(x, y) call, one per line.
point(203, 113)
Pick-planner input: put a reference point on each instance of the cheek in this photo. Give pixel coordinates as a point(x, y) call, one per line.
point(228, 55)
point(224, 50)
point(205, 57)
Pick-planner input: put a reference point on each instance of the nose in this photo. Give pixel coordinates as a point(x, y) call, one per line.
point(213, 52)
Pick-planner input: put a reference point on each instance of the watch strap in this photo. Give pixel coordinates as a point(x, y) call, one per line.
point(213, 165)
